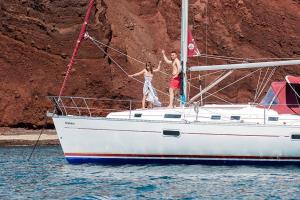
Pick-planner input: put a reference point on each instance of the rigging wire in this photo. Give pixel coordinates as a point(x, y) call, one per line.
point(232, 83)
point(120, 67)
point(206, 47)
point(261, 84)
point(214, 96)
point(118, 51)
point(258, 83)
point(97, 43)
point(225, 59)
point(223, 73)
point(269, 78)
point(236, 59)
point(202, 76)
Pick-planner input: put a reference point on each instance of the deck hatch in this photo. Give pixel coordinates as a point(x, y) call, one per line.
point(172, 116)
point(174, 133)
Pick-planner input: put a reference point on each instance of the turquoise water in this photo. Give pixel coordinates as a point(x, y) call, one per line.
point(48, 176)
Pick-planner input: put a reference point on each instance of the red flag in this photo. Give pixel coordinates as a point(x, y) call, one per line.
point(193, 51)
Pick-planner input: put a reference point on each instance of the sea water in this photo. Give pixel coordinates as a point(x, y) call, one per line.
point(48, 176)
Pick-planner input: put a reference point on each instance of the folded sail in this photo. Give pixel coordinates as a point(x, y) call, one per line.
point(245, 65)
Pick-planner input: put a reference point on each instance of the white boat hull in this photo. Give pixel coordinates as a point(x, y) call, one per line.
point(115, 141)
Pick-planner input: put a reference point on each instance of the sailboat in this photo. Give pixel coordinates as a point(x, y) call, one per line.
point(265, 133)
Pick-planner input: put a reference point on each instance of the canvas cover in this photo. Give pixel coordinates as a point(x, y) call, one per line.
point(282, 96)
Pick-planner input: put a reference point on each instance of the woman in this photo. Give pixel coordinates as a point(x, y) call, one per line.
point(149, 92)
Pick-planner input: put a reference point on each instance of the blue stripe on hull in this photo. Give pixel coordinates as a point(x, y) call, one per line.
point(142, 161)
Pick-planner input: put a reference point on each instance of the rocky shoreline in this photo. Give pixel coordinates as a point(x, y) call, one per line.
point(25, 137)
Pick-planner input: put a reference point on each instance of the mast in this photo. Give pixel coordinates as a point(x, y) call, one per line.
point(183, 54)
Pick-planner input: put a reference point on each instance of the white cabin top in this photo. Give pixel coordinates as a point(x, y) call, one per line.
point(246, 113)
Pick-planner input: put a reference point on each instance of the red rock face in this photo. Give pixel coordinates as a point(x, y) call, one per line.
point(37, 39)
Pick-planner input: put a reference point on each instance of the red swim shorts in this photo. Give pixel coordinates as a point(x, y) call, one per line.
point(175, 83)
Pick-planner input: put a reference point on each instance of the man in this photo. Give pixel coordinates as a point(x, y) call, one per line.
point(175, 80)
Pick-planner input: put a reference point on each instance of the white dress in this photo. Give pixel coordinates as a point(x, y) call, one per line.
point(150, 91)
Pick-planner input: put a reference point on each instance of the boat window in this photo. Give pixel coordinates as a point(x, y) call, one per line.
point(295, 136)
point(235, 117)
point(172, 116)
point(273, 119)
point(270, 98)
point(297, 88)
point(292, 95)
point(171, 133)
point(215, 117)
point(138, 115)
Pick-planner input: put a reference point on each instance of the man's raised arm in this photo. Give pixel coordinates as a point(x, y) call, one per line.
point(165, 57)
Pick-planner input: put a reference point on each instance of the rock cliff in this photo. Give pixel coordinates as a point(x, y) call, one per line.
point(37, 38)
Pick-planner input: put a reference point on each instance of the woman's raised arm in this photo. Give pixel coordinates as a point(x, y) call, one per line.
point(158, 68)
point(137, 74)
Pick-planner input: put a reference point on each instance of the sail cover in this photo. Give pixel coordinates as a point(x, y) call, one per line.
point(193, 51)
point(283, 97)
